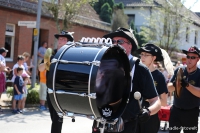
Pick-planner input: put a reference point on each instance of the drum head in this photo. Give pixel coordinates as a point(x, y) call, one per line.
point(113, 83)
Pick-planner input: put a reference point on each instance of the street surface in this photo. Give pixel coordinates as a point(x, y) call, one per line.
point(36, 121)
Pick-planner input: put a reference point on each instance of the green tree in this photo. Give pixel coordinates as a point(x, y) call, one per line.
point(106, 13)
point(119, 19)
point(63, 11)
point(109, 8)
point(98, 5)
point(140, 38)
point(118, 6)
point(166, 24)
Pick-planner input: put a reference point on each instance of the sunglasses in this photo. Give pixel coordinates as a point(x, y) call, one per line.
point(120, 41)
point(191, 57)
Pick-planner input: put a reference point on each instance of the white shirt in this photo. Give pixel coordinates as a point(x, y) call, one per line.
point(3, 60)
point(16, 66)
point(132, 69)
point(3, 63)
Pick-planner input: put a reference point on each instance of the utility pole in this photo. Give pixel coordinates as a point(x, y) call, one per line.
point(36, 40)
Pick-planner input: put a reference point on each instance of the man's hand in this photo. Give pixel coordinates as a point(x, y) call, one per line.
point(144, 115)
point(184, 82)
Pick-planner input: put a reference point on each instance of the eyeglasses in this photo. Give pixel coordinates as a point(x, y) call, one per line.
point(120, 41)
point(191, 57)
point(145, 55)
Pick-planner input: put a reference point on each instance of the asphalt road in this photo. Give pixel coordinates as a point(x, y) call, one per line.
point(36, 121)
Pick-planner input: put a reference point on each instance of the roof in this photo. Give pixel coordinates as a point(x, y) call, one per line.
point(86, 16)
point(198, 13)
point(135, 3)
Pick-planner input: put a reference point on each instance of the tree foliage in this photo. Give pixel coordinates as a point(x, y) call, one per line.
point(105, 8)
point(166, 24)
point(106, 12)
point(140, 38)
point(64, 11)
point(119, 19)
point(98, 5)
point(118, 6)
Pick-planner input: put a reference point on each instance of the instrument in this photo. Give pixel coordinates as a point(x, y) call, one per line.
point(178, 87)
point(47, 57)
point(90, 79)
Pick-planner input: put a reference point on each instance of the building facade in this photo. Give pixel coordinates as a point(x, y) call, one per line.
point(19, 39)
point(138, 11)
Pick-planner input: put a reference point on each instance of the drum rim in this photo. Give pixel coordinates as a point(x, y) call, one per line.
point(54, 74)
point(89, 80)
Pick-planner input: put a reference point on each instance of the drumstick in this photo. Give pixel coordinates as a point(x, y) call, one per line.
point(137, 96)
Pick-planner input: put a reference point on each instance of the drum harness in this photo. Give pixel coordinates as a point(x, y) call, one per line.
point(133, 63)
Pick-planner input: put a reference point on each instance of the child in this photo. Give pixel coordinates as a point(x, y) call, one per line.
point(25, 91)
point(26, 58)
point(18, 85)
point(43, 90)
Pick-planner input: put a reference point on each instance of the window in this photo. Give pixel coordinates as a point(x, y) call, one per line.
point(187, 34)
point(195, 37)
point(9, 41)
point(131, 17)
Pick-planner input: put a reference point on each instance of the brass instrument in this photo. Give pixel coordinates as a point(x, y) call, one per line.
point(178, 87)
point(47, 57)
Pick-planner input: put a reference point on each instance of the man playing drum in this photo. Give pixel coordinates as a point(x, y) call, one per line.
point(62, 39)
point(142, 81)
point(185, 110)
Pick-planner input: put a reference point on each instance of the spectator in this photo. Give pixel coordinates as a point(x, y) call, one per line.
point(20, 62)
point(43, 90)
point(25, 91)
point(18, 85)
point(178, 64)
point(26, 58)
point(41, 52)
point(3, 69)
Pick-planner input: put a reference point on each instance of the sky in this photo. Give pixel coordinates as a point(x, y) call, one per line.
point(194, 7)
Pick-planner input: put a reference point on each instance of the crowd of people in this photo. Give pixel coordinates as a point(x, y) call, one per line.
point(21, 77)
point(149, 77)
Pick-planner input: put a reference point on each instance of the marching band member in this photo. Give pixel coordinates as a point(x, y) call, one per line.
point(62, 39)
point(185, 110)
point(142, 81)
point(150, 53)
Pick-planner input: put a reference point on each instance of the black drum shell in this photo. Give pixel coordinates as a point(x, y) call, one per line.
point(79, 79)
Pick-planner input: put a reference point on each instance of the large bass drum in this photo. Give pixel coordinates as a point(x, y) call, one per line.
point(90, 79)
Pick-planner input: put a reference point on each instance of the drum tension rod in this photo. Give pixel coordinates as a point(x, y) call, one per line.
point(96, 63)
point(91, 95)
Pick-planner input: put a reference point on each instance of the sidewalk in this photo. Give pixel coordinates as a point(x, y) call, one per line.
point(5, 101)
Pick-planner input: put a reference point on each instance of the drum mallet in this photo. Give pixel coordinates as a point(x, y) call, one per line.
point(137, 97)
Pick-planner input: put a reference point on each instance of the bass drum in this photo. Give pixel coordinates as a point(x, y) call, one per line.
point(90, 79)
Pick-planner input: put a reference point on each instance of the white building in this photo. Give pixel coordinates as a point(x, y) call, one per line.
point(136, 9)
